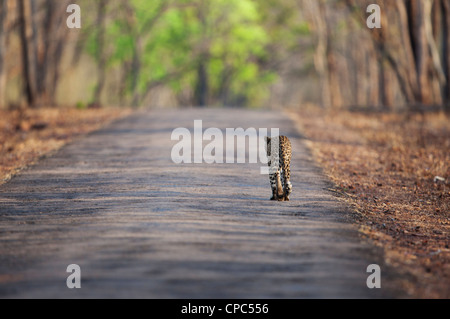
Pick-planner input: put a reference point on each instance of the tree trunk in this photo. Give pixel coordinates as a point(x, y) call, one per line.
point(201, 90)
point(405, 69)
point(333, 77)
point(134, 68)
point(57, 40)
point(417, 17)
point(438, 81)
point(47, 30)
point(317, 13)
point(32, 33)
point(375, 75)
point(385, 94)
point(3, 15)
point(101, 60)
point(43, 38)
point(29, 91)
point(446, 52)
point(136, 72)
point(387, 98)
point(224, 87)
point(360, 77)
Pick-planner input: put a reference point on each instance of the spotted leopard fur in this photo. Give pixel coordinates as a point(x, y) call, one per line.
point(280, 172)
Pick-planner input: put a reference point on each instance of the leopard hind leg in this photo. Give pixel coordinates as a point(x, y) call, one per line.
point(287, 183)
point(273, 185)
point(279, 183)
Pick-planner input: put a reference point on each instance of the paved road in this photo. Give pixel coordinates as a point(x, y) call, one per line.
point(140, 225)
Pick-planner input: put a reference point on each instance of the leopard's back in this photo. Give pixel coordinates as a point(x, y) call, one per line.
point(285, 153)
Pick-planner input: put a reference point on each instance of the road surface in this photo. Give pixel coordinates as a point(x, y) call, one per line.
point(141, 226)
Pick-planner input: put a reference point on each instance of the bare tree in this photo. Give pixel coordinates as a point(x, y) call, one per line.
point(445, 5)
point(54, 39)
point(316, 11)
point(28, 81)
point(201, 92)
point(413, 55)
point(134, 68)
point(101, 57)
point(42, 38)
point(3, 16)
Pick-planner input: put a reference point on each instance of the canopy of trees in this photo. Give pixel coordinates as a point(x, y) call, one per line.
point(225, 52)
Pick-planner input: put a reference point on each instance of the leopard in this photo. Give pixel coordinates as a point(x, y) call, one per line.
point(280, 173)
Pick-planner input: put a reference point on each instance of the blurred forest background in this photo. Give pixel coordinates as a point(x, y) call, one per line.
point(243, 53)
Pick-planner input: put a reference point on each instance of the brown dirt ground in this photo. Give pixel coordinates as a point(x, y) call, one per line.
point(28, 134)
point(384, 166)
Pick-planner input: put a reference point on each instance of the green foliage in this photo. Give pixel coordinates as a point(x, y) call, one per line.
point(81, 106)
point(165, 42)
